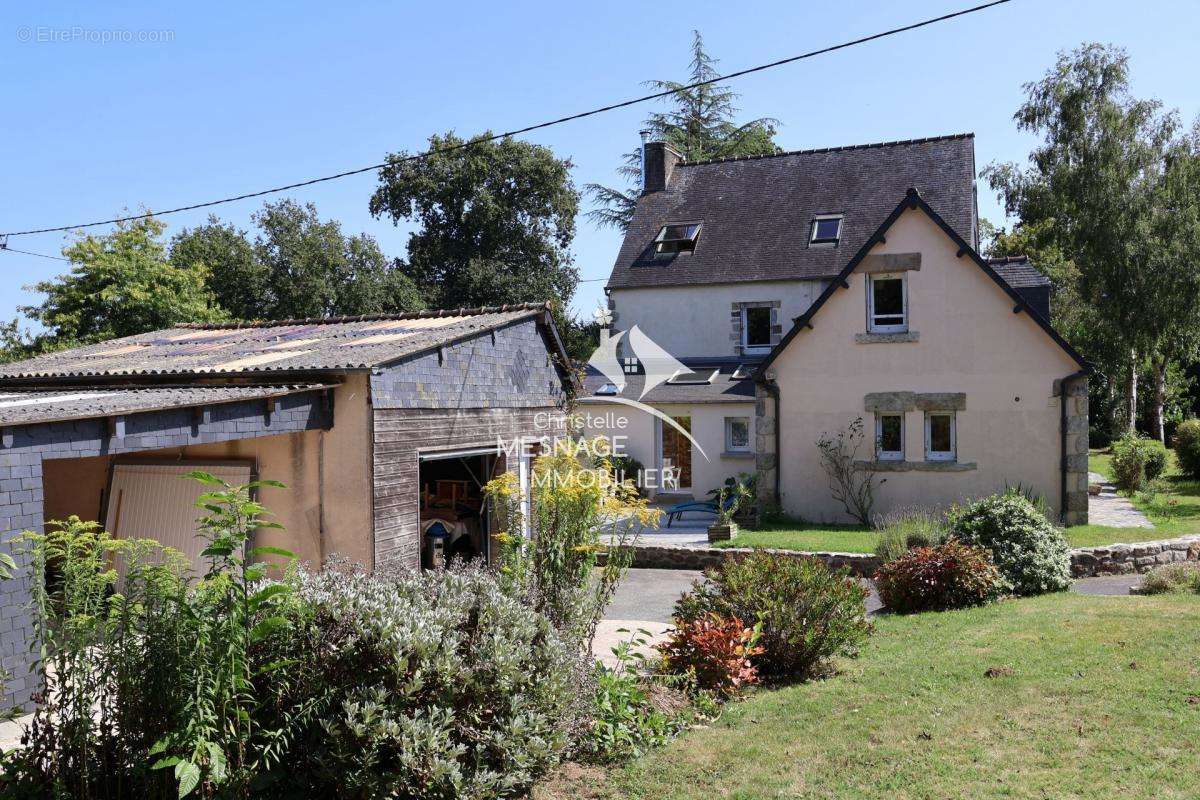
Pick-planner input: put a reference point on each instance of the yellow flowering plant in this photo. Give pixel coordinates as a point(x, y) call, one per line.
point(577, 512)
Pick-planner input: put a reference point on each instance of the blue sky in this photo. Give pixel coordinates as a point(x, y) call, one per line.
point(243, 96)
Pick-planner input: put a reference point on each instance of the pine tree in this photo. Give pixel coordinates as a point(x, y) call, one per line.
point(700, 126)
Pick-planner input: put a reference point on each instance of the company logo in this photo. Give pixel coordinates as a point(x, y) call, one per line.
point(658, 365)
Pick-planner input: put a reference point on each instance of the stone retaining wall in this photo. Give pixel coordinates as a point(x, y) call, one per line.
point(1121, 559)
point(667, 557)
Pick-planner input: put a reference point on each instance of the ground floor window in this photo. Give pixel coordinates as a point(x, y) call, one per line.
point(939, 436)
point(889, 437)
point(737, 434)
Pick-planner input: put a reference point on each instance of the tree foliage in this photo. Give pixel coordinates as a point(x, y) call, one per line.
point(700, 126)
point(297, 266)
point(494, 220)
point(120, 284)
point(1111, 189)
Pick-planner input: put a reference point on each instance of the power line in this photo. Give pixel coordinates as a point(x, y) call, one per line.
point(4, 248)
point(529, 128)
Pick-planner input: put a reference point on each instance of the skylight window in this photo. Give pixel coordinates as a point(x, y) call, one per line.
point(826, 229)
point(677, 238)
point(607, 389)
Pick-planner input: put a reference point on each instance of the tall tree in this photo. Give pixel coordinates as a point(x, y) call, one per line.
point(120, 284)
point(1095, 181)
point(700, 126)
point(495, 221)
point(236, 277)
point(297, 266)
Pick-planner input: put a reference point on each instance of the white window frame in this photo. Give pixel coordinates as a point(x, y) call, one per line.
point(941, 455)
point(813, 241)
point(880, 453)
point(874, 327)
point(755, 348)
point(729, 446)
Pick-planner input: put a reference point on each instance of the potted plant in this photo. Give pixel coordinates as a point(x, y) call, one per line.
point(727, 499)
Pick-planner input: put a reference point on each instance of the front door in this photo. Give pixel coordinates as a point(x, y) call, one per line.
point(677, 452)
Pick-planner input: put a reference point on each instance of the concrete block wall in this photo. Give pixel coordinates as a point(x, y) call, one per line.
point(23, 448)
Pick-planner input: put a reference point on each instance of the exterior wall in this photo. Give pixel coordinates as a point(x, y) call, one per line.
point(324, 507)
point(695, 321)
point(23, 449)
point(494, 388)
point(640, 441)
point(967, 340)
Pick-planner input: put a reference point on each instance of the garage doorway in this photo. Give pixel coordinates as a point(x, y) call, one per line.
point(455, 521)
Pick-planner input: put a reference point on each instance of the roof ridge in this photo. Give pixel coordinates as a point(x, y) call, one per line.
point(1007, 259)
point(841, 148)
point(440, 312)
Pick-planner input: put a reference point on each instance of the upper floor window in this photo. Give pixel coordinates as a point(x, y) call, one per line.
point(630, 365)
point(756, 328)
point(677, 238)
point(887, 303)
point(826, 229)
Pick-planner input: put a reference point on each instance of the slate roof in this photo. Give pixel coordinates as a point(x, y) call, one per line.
point(757, 212)
point(724, 388)
point(249, 348)
point(29, 407)
point(1018, 272)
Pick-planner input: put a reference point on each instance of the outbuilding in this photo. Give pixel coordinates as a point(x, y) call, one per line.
point(379, 427)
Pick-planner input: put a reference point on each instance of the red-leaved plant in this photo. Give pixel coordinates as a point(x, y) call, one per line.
point(951, 575)
point(715, 651)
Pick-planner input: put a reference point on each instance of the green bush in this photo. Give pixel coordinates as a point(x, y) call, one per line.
point(1182, 576)
point(1187, 447)
point(436, 680)
point(904, 529)
point(1031, 554)
point(951, 575)
point(1136, 459)
point(808, 612)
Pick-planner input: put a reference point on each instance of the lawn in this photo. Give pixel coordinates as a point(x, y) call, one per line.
point(805, 536)
point(1096, 697)
point(857, 539)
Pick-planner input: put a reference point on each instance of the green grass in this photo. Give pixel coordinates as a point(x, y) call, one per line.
point(857, 539)
point(1103, 701)
point(1100, 461)
point(805, 536)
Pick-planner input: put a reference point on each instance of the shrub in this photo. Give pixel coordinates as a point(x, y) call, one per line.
point(1031, 554)
point(1182, 576)
point(906, 528)
point(633, 710)
point(808, 613)
point(851, 484)
point(436, 680)
point(950, 575)
point(1136, 459)
point(1187, 447)
point(151, 685)
point(715, 652)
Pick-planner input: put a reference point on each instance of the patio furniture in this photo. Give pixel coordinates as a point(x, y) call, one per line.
point(701, 506)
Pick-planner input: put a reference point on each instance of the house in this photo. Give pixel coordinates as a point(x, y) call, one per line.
point(379, 427)
point(759, 303)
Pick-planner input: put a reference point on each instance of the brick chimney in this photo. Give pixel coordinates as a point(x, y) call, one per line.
point(658, 162)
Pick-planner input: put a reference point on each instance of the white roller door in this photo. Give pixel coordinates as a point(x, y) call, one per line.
point(156, 501)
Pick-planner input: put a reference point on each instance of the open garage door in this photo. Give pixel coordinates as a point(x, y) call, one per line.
point(155, 501)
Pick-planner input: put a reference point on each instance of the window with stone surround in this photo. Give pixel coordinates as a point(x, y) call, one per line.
point(887, 303)
point(889, 437)
point(940, 436)
point(756, 327)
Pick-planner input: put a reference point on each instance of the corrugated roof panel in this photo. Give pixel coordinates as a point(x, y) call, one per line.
point(258, 360)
